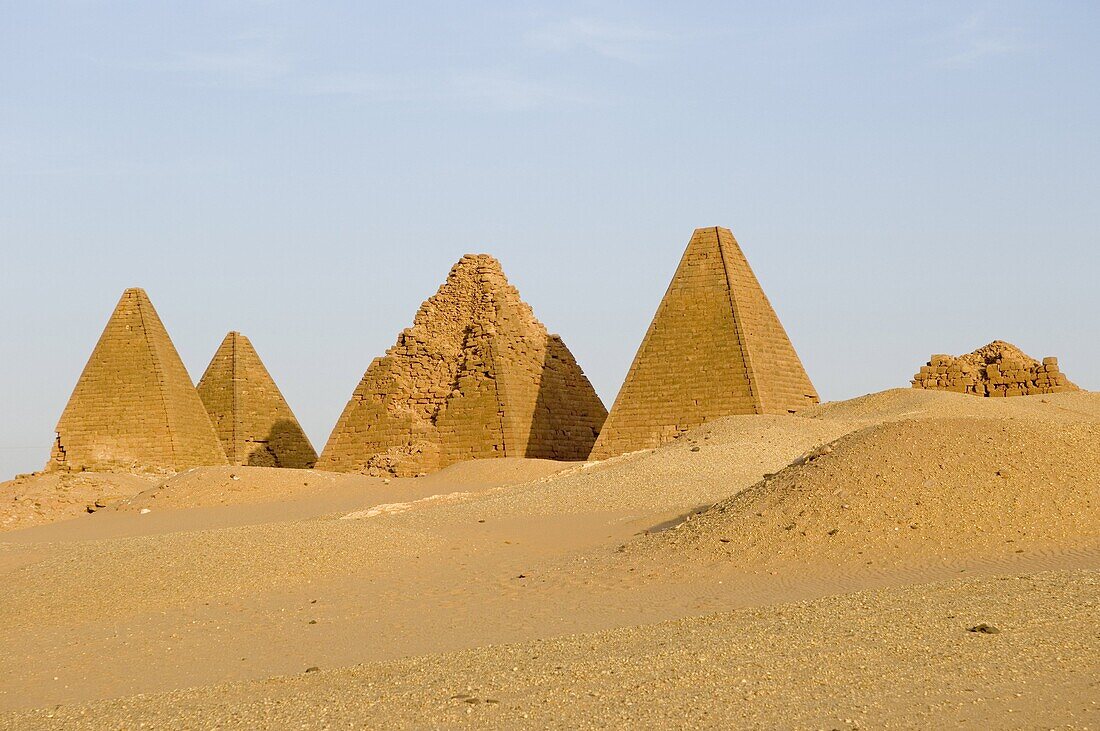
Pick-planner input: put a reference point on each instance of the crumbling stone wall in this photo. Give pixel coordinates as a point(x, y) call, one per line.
point(476, 376)
point(134, 407)
point(715, 348)
point(999, 369)
point(252, 419)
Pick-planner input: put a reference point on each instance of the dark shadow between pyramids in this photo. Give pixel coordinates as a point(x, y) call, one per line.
point(554, 431)
point(286, 446)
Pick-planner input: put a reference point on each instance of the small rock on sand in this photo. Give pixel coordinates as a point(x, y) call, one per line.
point(984, 629)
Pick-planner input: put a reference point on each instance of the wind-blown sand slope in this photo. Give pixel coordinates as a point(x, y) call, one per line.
point(45, 498)
point(702, 466)
point(228, 582)
point(209, 486)
point(924, 488)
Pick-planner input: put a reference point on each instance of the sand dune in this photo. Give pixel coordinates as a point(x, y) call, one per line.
point(206, 486)
point(926, 488)
point(704, 465)
point(44, 498)
point(483, 473)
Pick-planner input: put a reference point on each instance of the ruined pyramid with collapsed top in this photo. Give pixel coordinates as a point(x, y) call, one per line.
point(476, 376)
point(134, 407)
point(250, 415)
point(715, 348)
point(997, 369)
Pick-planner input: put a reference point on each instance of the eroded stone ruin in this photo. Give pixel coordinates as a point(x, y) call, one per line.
point(715, 348)
point(476, 376)
point(998, 369)
point(250, 415)
point(134, 407)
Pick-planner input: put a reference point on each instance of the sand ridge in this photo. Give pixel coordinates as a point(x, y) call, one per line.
point(907, 403)
point(928, 487)
point(42, 499)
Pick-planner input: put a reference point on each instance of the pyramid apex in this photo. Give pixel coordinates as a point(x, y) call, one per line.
point(230, 340)
point(480, 260)
point(706, 233)
point(477, 265)
point(135, 292)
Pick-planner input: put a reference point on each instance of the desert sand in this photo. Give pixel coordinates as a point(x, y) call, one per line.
point(909, 559)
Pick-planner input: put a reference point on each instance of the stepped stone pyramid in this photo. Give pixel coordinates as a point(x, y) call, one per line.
point(134, 407)
point(998, 369)
point(476, 376)
point(715, 348)
point(250, 415)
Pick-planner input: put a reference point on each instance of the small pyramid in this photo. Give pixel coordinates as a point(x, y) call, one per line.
point(715, 348)
point(134, 407)
point(250, 415)
point(476, 376)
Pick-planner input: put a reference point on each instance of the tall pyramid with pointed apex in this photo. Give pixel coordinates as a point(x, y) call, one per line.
point(250, 415)
point(476, 376)
point(715, 348)
point(135, 407)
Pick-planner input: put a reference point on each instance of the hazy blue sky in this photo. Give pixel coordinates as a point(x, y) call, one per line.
point(905, 178)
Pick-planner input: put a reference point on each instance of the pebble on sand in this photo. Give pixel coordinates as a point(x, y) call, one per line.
point(984, 629)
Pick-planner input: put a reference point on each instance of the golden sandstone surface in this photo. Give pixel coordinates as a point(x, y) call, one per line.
point(134, 407)
point(250, 415)
point(476, 376)
point(715, 348)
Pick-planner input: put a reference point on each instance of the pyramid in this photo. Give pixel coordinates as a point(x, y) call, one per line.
point(715, 348)
point(997, 369)
point(250, 415)
point(134, 407)
point(476, 376)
